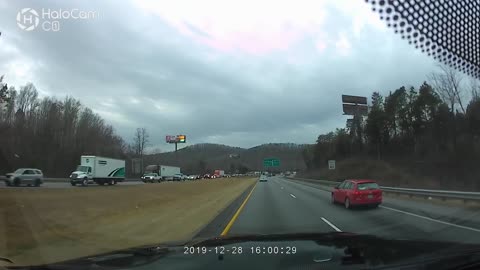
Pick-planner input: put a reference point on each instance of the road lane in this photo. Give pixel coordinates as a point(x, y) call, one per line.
point(272, 209)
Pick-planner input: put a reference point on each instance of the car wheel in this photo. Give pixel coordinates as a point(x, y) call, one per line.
point(347, 203)
point(37, 182)
point(333, 199)
point(73, 183)
point(375, 205)
point(85, 182)
point(16, 182)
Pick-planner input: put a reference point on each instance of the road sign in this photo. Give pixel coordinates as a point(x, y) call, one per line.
point(271, 162)
point(331, 164)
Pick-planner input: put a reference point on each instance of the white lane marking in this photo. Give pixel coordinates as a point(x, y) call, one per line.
point(331, 224)
point(293, 196)
point(431, 219)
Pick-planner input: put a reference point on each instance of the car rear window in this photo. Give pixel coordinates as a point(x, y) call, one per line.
point(365, 186)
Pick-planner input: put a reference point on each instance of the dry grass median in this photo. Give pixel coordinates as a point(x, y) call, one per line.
point(48, 225)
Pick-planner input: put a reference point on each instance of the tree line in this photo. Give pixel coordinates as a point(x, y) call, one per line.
point(429, 125)
point(51, 134)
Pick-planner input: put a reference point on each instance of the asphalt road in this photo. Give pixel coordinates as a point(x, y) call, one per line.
point(286, 206)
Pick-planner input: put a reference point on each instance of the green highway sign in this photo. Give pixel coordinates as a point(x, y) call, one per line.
point(271, 162)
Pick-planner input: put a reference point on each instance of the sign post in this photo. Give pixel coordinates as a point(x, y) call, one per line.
point(356, 106)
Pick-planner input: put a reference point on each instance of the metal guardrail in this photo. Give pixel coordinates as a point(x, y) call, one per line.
point(443, 194)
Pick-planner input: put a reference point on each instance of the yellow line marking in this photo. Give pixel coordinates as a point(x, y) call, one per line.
point(230, 224)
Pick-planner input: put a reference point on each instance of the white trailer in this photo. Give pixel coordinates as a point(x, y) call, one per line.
point(167, 172)
point(100, 170)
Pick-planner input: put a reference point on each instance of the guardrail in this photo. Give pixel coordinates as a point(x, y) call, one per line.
point(428, 193)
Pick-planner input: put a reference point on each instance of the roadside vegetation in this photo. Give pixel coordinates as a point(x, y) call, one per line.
point(419, 137)
point(50, 225)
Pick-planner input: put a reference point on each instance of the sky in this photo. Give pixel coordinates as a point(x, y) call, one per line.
point(240, 73)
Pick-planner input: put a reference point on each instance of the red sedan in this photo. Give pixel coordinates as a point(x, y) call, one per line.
point(357, 192)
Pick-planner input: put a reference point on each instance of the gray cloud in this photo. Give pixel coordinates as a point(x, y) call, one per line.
point(137, 71)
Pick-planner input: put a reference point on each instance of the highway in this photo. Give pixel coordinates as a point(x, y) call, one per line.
point(286, 206)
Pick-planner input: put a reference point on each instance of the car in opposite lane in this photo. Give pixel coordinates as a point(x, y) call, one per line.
point(25, 176)
point(357, 192)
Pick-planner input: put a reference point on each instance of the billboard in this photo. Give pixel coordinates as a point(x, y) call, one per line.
point(354, 99)
point(350, 109)
point(176, 138)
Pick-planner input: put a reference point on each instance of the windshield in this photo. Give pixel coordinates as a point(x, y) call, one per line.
point(83, 169)
point(200, 119)
point(365, 186)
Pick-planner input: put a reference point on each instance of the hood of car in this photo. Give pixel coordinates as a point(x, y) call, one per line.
point(333, 250)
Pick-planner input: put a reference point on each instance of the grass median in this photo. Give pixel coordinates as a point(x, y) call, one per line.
point(48, 225)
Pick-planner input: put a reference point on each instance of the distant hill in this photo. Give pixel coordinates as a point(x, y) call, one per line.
point(201, 158)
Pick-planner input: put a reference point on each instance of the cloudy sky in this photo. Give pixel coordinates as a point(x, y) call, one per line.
point(240, 73)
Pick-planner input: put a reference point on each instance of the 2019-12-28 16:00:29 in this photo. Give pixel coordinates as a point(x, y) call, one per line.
point(254, 250)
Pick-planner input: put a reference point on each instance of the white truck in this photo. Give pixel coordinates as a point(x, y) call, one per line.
point(100, 170)
point(165, 172)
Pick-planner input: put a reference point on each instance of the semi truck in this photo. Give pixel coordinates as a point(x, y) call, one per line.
point(99, 170)
point(165, 172)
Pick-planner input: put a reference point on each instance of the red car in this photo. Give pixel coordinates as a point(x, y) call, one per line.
point(357, 192)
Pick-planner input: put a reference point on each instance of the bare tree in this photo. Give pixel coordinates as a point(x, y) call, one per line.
point(140, 141)
point(447, 83)
point(27, 100)
point(475, 88)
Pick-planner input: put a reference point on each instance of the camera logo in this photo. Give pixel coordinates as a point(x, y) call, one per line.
point(27, 19)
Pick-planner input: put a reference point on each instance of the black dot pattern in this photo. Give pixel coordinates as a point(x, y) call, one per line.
point(448, 30)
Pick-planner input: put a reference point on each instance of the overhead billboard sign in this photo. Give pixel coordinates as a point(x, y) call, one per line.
point(354, 99)
point(354, 105)
point(351, 109)
point(176, 138)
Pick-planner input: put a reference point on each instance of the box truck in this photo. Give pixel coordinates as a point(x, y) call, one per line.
point(165, 172)
point(100, 170)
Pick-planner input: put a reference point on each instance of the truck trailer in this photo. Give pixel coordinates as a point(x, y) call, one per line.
point(165, 172)
point(219, 173)
point(99, 170)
